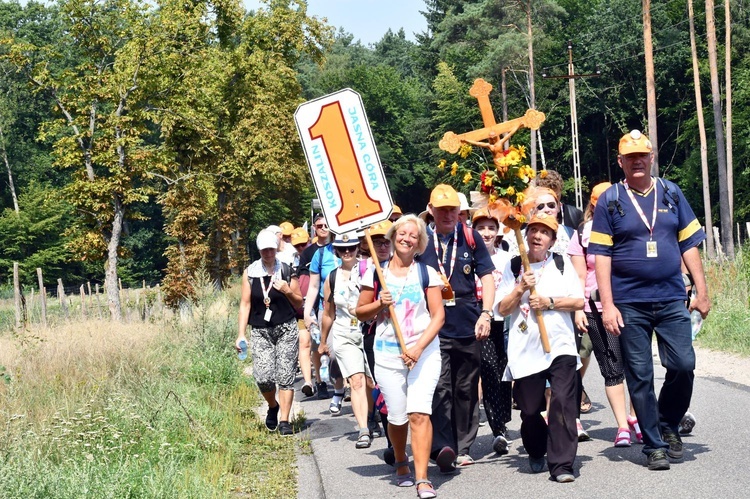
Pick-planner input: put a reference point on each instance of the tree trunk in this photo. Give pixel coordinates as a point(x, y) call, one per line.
point(726, 220)
point(728, 90)
point(648, 49)
point(532, 94)
point(110, 277)
point(11, 185)
point(702, 133)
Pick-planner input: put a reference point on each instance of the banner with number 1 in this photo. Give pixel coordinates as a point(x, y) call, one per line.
point(343, 161)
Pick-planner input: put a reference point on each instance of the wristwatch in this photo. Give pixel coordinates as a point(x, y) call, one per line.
point(551, 305)
point(488, 312)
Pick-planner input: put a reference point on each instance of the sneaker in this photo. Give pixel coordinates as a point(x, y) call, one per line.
point(675, 444)
point(272, 418)
point(285, 428)
point(323, 391)
point(374, 428)
point(308, 389)
point(657, 460)
point(389, 456)
point(622, 439)
point(464, 460)
point(635, 429)
point(537, 464)
point(583, 436)
point(500, 444)
point(446, 460)
point(347, 395)
point(565, 478)
point(687, 423)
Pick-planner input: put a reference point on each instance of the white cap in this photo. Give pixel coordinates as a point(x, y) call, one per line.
point(274, 228)
point(266, 239)
point(464, 201)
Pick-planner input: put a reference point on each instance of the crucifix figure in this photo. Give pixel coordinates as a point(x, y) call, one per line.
point(451, 141)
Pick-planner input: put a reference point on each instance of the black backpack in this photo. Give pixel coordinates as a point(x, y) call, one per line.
point(515, 264)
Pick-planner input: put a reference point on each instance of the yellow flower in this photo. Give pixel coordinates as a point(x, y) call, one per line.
point(543, 173)
point(493, 197)
point(510, 191)
point(522, 151)
point(513, 158)
point(531, 172)
point(465, 150)
point(521, 219)
point(488, 180)
point(454, 169)
point(520, 197)
point(442, 163)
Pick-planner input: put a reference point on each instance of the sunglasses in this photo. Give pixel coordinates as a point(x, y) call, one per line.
point(321, 226)
point(347, 249)
point(550, 204)
point(381, 242)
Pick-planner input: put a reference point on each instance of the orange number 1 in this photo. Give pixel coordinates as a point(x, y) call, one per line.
point(356, 203)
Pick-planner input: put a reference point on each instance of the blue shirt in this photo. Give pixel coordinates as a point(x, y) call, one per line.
point(329, 262)
point(637, 278)
point(461, 318)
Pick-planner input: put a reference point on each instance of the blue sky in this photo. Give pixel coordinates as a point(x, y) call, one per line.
point(367, 20)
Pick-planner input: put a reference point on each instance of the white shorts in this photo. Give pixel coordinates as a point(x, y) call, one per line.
point(407, 392)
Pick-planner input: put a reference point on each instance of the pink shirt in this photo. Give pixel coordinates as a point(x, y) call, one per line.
point(575, 249)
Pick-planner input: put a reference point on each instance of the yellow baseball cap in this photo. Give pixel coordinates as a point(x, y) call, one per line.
point(396, 210)
point(482, 213)
point(544, 219)
point(299, 236)
point(598, 190)
point(444, 195)
point(286, 228)
point(634, 142)
point(380, 228)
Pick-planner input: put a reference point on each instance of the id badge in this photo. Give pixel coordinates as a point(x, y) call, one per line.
point(522, 326)
point(267, 315)
point(651, 249)
point(449, 297)
point(353, 322)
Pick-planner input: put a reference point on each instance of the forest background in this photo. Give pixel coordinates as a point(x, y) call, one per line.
point(144, 141)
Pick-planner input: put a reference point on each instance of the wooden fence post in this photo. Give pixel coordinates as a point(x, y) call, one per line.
point(17, 294)
point(98, 303)
point(61, 297)
point(717, 240)
point(42, 295)
point(83, 302)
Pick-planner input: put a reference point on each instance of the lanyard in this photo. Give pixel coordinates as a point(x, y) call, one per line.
point(267, 290)
point(453, 255)
point(640, 211)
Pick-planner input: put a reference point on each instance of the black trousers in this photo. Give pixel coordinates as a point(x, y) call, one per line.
point(497, 394)
point(559, 438)
point(455, 405)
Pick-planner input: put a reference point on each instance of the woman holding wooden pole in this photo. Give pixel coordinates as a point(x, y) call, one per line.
point(407, 375)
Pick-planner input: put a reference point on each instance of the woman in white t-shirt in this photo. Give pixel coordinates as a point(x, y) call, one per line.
point(558, 292)
point(407, 379)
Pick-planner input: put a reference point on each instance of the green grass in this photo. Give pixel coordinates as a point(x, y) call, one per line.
point(140, 410)
point(727, 326)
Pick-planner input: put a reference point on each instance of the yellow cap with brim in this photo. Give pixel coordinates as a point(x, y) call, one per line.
point(380, 228)
point(299, 236)
point(544, 219)
point(598, 190)
point(286, 228)
point(444, 195)
point(634, 142)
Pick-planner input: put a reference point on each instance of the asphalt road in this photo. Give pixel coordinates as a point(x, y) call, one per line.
point(714, 463)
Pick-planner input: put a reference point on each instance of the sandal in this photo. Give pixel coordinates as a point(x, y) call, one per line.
point(335, 407)
point(622, 439)
point(635, 429)
point(425, 492)
point(585, 403)
point(365, 439)
point(405, 480)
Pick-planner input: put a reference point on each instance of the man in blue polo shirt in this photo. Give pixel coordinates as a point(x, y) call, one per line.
point(641, 231)
point(455, 405)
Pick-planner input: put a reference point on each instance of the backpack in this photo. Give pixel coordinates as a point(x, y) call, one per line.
point(515, 264)
point(670, 199)
point(286, 275)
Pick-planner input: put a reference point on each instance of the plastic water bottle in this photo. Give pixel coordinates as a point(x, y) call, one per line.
point(324, 374)
point(242, 354)
point(696, 321)
point(315, 333)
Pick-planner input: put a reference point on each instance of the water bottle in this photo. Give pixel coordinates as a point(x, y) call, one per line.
point(242, 354)
point(315, 333)
point(324, 374)
point(696, 321)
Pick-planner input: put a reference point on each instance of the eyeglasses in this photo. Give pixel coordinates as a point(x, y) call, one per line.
point(381, 242)
point(321, 226)
point(550, 204)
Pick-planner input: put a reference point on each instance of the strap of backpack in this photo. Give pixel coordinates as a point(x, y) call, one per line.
point(332, 280)
point(469, 235)
point(515, 266)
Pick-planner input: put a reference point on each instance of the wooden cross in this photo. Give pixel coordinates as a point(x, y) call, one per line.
point(451, 142)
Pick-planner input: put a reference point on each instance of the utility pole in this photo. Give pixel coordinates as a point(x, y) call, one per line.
point(572, 76)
